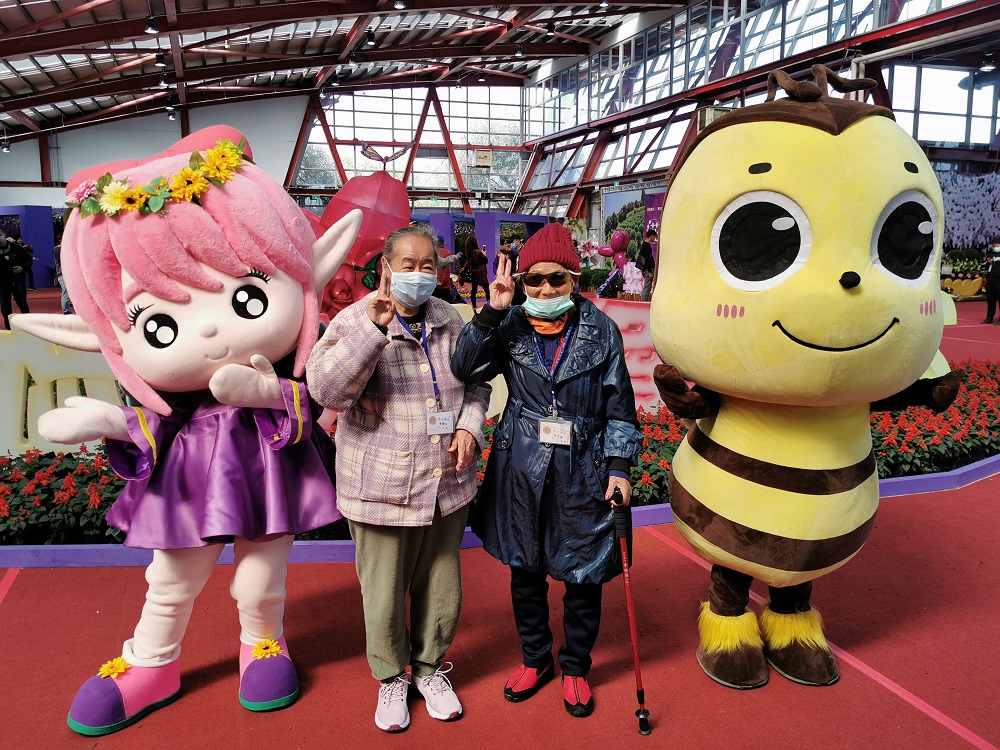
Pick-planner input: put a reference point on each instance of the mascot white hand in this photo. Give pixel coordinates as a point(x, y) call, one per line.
point(256, 386)
point(83, 419)
point(198, 278)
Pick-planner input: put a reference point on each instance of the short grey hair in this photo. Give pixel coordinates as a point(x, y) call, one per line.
point(414, 230)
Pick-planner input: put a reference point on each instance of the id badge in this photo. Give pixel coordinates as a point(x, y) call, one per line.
point(555, 431)
point(440, 423)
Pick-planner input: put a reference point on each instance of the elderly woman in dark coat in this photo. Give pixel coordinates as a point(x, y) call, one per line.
point(566, 440)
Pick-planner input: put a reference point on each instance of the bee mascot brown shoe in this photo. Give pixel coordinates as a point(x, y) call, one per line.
point(798, 290)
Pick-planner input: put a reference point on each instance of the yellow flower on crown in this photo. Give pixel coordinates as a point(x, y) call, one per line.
point(266, 649)
point(113, 668)
point(134, 199)
point(113, 198)
point(187, 184)
point(220, 163)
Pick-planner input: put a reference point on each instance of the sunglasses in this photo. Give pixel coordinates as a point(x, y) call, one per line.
point(535, 280)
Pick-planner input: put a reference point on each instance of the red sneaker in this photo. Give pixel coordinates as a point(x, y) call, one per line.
point(577, 698)
point(527, 681)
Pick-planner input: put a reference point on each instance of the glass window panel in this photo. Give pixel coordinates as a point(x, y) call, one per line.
point(984, 100)
point(941, 128)
point(982, 130)
point(915, 9)
point(904, 85)
point(939, 91)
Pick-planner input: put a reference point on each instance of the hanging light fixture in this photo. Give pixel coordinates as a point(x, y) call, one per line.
point(161, 61)
point(352, 60)
point(458, 83)
point(399, 5)
point(988, 65)
point(370, 38)
point(151, 26)
point(603, 4)
point(5, 146)
point(518, 51)
point(482, 77)
point(164, 83)
point(171, 115)
point(550, 29)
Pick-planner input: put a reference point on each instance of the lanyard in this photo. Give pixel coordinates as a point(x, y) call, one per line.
point(423, 343)
point(556, 360)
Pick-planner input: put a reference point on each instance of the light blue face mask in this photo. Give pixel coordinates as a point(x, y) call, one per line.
point(413, 288)
point(547, 309)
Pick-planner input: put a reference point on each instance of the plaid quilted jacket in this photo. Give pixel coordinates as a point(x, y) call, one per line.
point(390, 472)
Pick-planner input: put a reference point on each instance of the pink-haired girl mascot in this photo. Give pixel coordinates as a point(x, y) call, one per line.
point(198, 277)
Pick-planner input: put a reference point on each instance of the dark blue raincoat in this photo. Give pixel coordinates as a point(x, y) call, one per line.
point(542, 507)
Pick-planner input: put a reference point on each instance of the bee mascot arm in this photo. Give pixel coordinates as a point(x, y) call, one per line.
point(936, 394)
point(684, 402)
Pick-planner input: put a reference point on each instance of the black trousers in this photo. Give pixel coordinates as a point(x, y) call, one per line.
point(12, 289)
point(581, 621)
point(992, 294)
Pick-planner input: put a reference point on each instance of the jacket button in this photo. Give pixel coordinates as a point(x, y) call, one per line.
point(430, 402)
point(435, 438)
point(425, 367)
point(436, 472)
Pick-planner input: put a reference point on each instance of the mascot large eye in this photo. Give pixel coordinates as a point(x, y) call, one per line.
point(905, 237)
point(249, 302)
point(759, 240)
point(160, 331)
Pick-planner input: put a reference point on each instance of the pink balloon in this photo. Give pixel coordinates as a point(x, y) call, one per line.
point(620, 259)
point(606, 250)
point(620, 240)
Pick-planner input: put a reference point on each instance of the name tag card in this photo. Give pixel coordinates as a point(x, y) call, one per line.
point(555, 431)
point(440, 423)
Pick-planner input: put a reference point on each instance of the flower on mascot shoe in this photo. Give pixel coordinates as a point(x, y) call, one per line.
point(113, 668)
point(266, 649)
point(109, 196)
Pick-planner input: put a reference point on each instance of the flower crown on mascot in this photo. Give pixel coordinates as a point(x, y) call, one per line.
point(808, 234)
point(197, 277)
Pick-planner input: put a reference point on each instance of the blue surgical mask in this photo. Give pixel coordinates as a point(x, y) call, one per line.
point(413, 288)
point(547, 309)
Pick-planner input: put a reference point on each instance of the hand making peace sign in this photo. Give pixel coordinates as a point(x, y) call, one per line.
point(502, 288)
point(381, 308)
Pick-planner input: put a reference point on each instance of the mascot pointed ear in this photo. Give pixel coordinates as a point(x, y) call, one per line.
point(330, 250)
point(65, 330)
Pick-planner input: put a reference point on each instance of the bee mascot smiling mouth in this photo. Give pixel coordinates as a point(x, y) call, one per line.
point(799, 290)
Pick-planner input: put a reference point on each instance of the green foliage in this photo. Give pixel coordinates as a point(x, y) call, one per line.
point(59, 498)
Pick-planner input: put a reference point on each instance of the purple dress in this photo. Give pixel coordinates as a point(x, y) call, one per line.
point(211, 472)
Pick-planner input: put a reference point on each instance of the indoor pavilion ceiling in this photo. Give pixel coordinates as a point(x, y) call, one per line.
point(66, 63)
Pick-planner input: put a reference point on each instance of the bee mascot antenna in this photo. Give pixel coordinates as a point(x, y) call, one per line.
point(799, 290)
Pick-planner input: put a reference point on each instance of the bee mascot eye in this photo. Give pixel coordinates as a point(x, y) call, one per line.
point(904, 237)
point(762, 236)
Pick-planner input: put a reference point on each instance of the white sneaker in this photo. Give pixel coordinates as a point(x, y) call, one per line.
point(439, 695)
point(392, 715)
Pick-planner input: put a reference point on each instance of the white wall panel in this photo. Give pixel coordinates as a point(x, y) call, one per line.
point(271, 127)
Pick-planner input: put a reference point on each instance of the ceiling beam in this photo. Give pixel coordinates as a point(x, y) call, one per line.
point(50, 20)
point(17, 45)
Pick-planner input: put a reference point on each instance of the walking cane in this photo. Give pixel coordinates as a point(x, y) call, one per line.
point(622, 527)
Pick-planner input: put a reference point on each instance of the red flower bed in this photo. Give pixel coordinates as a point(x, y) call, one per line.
point(56, 498)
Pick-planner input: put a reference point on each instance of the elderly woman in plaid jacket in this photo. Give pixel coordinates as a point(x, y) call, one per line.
point(408, 436)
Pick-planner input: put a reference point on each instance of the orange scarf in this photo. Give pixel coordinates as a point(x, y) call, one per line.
point(545, 327)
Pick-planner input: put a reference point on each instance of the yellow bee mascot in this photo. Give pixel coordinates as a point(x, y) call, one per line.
point(798, 287)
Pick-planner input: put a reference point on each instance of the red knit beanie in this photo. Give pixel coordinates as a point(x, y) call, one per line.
point(553, 243)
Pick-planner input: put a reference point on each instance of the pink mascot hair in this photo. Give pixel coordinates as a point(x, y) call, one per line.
point(249, 222)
